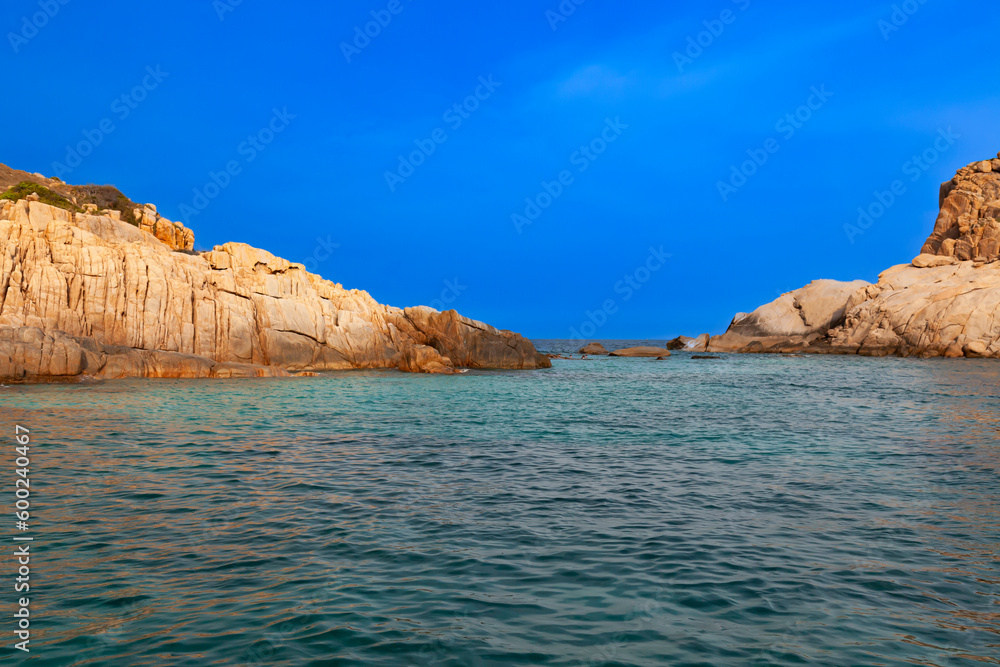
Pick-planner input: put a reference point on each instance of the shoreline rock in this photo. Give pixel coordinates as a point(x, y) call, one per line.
point(592, 349)
point(945, 303)
point(91, 295)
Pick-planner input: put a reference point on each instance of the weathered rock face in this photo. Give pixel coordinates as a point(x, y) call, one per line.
point(796, 318)
point(950, 310)
point(90, 295)
point(174, 234)
point(946, 302)
point(968, 226)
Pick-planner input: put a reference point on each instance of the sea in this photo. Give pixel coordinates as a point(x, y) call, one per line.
point(741, 510)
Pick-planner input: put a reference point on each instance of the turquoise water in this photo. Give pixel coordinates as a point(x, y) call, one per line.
point(750, 510)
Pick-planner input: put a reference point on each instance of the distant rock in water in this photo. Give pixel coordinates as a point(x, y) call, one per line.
point(689, 344)
point(592, 348)
point(678, 343)
point(89, 294)
point(641, 352)
point(946, 302)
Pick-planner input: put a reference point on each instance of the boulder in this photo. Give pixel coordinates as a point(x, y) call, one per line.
point(642, 351)
point(926, 261)
point(699, 344)
point(678, 343)
point(424, 359)
point(793, 320)
point(592, 348)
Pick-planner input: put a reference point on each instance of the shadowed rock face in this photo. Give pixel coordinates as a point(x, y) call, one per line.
point(85, 294)
point(946, 302)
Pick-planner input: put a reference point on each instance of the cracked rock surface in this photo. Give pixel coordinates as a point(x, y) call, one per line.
point(90, 295)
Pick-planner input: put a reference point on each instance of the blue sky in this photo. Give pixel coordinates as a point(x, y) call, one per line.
point(638, 239)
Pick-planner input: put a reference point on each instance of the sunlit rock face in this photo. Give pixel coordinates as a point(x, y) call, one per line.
point(946, 302)
point(88, 294)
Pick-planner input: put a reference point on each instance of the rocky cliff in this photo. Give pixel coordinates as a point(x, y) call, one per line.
point(89, 294)
point(946, 302)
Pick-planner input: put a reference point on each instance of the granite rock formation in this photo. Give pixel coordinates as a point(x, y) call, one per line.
point(87, 294)
point(946, 302)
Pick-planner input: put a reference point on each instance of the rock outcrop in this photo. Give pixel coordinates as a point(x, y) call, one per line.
point(968, 226)
point(794, 319)
point(678, 343)
point(946, 302)
point(593, 349)
point(85, 294)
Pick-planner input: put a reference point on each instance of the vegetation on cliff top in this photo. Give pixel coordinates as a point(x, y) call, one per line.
point(102, 196)
point(107, 197)
point(46, 196)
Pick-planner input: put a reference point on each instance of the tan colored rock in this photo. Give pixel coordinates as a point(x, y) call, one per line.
point(699, 344)
point(793, 320)
point(472, 344)
point(926, 311)
point(71, 278)
point(424, 359)
point(975, 349)
point(968, 225)
point(678, 343)
point(927, 261)
point(642, 351)
point(593, 349)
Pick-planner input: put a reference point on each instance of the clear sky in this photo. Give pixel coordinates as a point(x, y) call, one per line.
point(617, 120)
